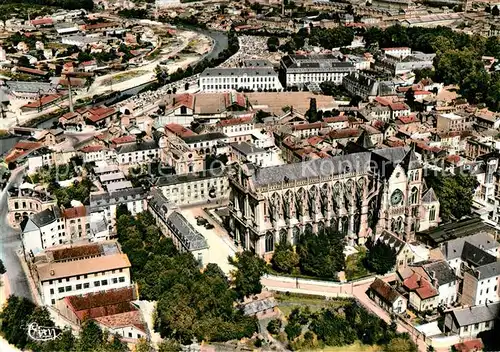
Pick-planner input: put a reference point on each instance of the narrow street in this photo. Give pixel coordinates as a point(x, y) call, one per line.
point(10, 242)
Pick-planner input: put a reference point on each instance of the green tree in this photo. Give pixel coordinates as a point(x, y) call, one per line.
point(169, 345)
point(380, 258)
point(2, 268)
point(14, 318)
point(274, 326)
point(293, 329)
point(91, 337)
point(284, 257)
point(249, 270)
point(273, 43)
point(455, 194)
point(400, 344)
point(495, 11)
point(312, 113)
point(321, 255)
point(143, 345)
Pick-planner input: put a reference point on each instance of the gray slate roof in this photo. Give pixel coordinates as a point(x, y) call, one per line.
point(454, 248)
point(489, 270)
point(237, 72)
point(476, 314)
point(134, 147)
point(246, 148)
point(429, 196)
point(191, 239)
point(443, 273)
point(46, 216)
point(358, 163)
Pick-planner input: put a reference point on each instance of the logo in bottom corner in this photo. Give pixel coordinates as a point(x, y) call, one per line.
point(42, 333)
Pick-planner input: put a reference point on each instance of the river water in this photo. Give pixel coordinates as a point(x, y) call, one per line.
point(220, 44)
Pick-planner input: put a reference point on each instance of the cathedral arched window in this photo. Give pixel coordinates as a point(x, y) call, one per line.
point(432, 213)
point(414, 195)
point(269, 242)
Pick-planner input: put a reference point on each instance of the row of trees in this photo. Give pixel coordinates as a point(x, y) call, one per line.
point(64, 4)
point(328, 38)
point(340, 327)
point(191, 303)
point(319, 255)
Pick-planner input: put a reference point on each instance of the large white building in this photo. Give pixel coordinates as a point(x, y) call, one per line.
point(77, 270)
point(299, 70)
point(248, 78)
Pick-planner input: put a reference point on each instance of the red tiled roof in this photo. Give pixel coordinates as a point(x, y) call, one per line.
point(345, 133)
point(41, 21)
point(398, 106)
point(88, 63)
point(236, 121)
point(27, 145)
point(186, 100)
point(99, 25)
point(47, 99)
point(100, 113)
point(422, 92)
point(308, 126)
point(408, 119)
point(32, 71)
point(420, 285)
point(315, 140)
point(76, 212)
point(179, 130)
point(469, 346)
point(123, 139)
point(132, 318)
point(101, 303)
point(91, 148)
point(340, 118)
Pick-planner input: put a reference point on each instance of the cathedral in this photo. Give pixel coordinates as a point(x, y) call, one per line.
point(360, 194)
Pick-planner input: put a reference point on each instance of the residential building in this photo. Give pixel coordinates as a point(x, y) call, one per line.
point(43, 230)
point(106, 203)
point(453, 122)
point(423, 296)
point(137, 153)
point(79, 269)
point(243, 151)
point(77, 222)
point(469, 322)
point(400, 52)
point(387, 297)
point(247, 78)
point(367, 86)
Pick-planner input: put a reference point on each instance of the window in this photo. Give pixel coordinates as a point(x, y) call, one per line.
point(60, 289)
point(115, 280)
point(85, 276)
point(466, 328)
point(487, 324)
point(104, 282)
point(53, 301)
point(97, 283)
point(51, 291)
point(476, 326)
point(432, 213)
point(269, 242)
point(68, 288)
point(129, 334)
point(86, 285)
point(122, 279)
